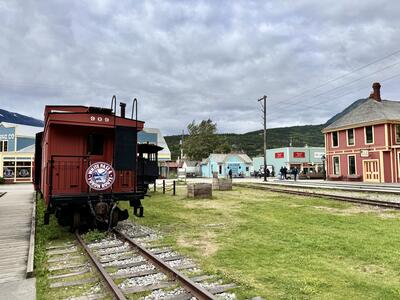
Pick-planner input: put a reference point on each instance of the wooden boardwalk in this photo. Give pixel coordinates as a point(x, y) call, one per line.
point(15, 228)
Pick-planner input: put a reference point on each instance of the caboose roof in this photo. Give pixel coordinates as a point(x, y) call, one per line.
point(75, 109)
point(87, 116)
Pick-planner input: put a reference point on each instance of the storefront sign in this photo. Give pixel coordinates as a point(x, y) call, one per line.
point(100, 176)
point(279, 154)
point(364, 153)
point(319, 154)
point(6, 136)
point(299, 154)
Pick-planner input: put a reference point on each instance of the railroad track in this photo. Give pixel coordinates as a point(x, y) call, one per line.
point(126, 266)
point(388, 189)
point(291, 190)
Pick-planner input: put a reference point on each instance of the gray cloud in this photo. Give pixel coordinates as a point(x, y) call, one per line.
point(191, 60)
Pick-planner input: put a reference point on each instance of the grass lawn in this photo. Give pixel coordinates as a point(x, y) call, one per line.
point(282, 246)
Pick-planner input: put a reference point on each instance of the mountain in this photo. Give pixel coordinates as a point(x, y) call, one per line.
point(345, 111)
point(12, 117)
point(252, 143)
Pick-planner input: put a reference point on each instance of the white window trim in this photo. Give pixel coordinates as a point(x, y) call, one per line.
point(333, 165)
point(373, 135)
point(333, 146)
point(4, 142)
point(347, 137)
point(395, 133)
point(348, 164)
point(398, 165)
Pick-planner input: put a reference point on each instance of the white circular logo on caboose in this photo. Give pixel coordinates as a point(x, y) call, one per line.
point(100, 176)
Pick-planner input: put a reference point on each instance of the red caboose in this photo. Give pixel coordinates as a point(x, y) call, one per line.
point(86, 161)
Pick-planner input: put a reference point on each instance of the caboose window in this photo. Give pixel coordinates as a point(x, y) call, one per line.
point(95, 144)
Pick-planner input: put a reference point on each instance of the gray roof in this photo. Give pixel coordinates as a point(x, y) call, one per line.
point(23, 130)
point(221, 158)
point(191, 163)
point(365, 111)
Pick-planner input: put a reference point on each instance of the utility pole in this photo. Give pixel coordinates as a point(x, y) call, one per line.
point(183, 132)
point(265, 134)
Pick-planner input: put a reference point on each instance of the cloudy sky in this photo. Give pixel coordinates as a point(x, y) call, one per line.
point(192, 60)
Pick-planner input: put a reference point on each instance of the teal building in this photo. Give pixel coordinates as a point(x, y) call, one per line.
point(306, 159)
point(17, 149)
point(220, 164)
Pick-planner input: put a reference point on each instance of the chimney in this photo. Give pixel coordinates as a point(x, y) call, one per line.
point(376, 94)
point(123, 106)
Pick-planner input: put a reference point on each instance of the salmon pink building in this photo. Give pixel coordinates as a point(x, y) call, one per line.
point(362, 143)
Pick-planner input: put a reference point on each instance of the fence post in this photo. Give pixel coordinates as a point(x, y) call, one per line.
point(174, 188)
point(163, 186)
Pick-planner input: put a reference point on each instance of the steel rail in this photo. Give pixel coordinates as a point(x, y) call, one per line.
point(342, 187)
point(196, 290)
point(385, 204)
point(117, 293)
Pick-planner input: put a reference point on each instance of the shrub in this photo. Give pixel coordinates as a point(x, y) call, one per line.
point(94, 235)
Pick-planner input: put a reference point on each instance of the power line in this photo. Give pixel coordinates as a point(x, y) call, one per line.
point(347, 93)
point(344, 75)
point(348, 83)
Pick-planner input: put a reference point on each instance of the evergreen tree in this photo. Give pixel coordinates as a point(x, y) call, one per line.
point(203, 140)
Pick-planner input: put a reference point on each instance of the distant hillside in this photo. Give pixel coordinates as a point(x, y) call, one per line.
point(345, 111)
point(252, 142)
point(12, 117)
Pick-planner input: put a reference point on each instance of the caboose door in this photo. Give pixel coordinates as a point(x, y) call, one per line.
point(67, 174)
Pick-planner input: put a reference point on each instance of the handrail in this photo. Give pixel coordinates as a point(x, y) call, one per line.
point(113, 101)
point(134, 108)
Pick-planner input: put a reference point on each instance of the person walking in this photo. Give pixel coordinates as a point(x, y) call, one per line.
point(230, 174)
point(284, 173)
point(281, 172)
point(295, 172)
